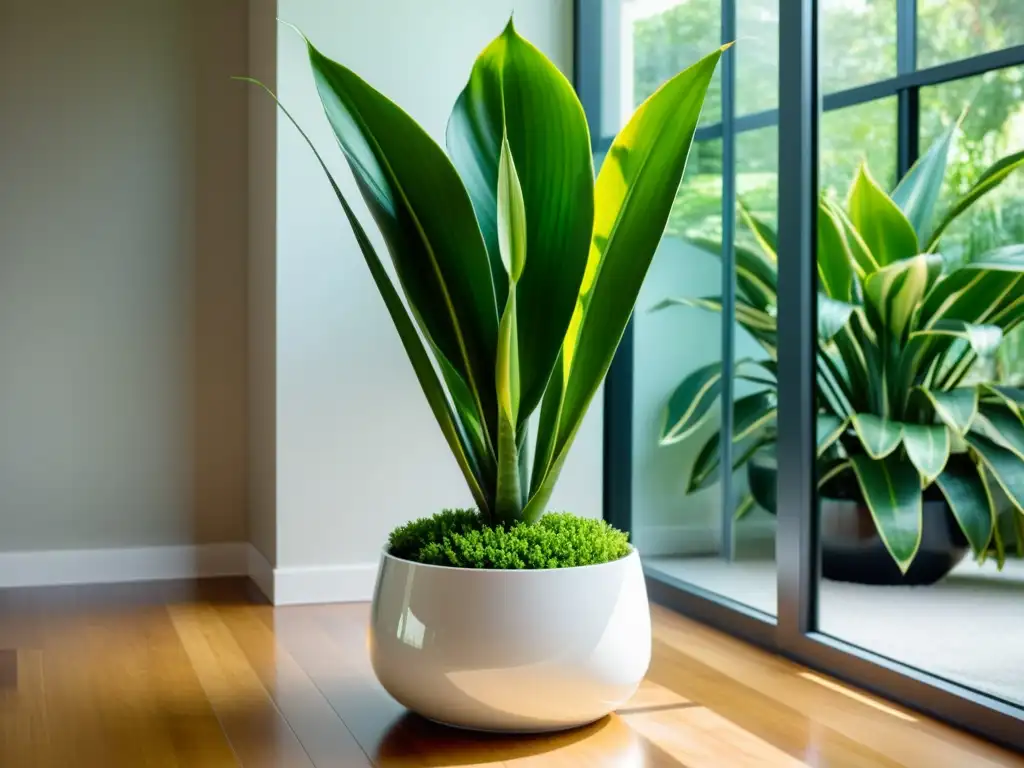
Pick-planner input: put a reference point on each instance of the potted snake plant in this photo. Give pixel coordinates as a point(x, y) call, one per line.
point(520, 271)
point(920, 452)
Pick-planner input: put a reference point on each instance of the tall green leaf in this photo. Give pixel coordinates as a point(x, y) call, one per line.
point(1006, 467)
point(633, 194)
point(512, 247)
point(835, 261)
point(892, 491)
point(425, 215)
point(970, 503)
point(918, 190)
point(879, 436)
point(995, 175)
point(882, 225)
point(418, 357)
point(516, 92)
point(864, 262)
point(928, 447)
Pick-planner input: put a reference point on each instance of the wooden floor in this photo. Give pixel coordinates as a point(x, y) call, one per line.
point(209, 675)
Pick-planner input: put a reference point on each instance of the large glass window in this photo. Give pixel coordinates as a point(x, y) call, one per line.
point(952, 30)
point(707, 378)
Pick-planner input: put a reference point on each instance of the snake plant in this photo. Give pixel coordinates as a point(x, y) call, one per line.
point(904, 409)
point(519, 268)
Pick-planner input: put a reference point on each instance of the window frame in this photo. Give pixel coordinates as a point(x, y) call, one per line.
point(793, 632)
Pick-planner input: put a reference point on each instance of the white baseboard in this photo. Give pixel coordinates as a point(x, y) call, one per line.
point(107, 566)
point(324, 584)
point(282, 586)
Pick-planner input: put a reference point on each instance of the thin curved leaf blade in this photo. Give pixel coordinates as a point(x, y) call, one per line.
point(516, 92)
point(707, 466)
point(427, 220)
point(979, 290)
point(955, 407)
point(919, 189)
point(995, 175)
point(892, 491)
point(828, 428)
point(835, 261)
point(883, 227)
point(1004, 427)
point(878, 436)
point(749, 317)
point(743, 508)
point(928, 447)
point(1004, 465)
point(462, 450)
point(752, 412)
point(833, 315)
point(1013, 397)
point(763, 234)
point(971, 505)
point(690, 403)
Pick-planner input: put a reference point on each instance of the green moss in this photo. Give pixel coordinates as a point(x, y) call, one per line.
point(460, 538)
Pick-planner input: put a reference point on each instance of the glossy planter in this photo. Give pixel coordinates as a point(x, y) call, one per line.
point(522, 651)
point(851, 549)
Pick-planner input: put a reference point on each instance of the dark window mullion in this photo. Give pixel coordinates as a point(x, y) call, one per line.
point(907, 98)
point(799, 110)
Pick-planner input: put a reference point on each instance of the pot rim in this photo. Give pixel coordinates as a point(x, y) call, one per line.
point(633, 554)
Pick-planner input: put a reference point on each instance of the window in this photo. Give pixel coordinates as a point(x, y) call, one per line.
point(893, 76)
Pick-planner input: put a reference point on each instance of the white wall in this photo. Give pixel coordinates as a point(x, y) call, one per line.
point(358, 451)
point(122, 261)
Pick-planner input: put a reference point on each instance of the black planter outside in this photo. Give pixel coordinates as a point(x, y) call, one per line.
point(851, 549)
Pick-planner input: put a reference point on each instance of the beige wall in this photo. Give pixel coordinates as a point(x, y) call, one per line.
point(123, 163)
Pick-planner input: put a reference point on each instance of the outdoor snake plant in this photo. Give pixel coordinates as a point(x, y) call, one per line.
point(520, 269)
point(902, 335)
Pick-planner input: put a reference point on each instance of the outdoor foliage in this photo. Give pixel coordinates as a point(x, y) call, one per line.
point(860, 39)
point(460, 538)
point(520, 269)
point(905, 336)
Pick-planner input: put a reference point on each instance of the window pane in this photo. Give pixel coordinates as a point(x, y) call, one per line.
point(993, 128)
point(858, 43)
point(646, 42)
point(670, 526)
point(757, 173)
point(948, 30)
point(863, 133)
point(926, 611)
point(757, 55)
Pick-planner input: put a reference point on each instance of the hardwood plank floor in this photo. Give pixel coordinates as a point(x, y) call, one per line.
point(207, 674)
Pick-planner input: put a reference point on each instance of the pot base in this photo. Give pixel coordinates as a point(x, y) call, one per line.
point(852, 551)
point(517, 651)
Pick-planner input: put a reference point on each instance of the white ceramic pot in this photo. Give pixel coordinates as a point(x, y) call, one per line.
point(522, 651)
